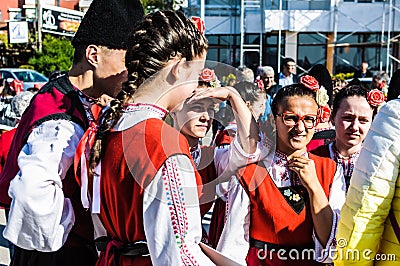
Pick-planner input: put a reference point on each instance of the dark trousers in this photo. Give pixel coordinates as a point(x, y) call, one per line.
point(66, 256)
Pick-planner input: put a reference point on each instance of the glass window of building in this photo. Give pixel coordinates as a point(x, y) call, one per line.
point(311, 50)
point(353, 49)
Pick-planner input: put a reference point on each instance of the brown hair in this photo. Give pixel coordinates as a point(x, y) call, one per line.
point(154, 41)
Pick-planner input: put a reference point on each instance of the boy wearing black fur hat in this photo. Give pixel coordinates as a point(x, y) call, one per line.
point(47, 222)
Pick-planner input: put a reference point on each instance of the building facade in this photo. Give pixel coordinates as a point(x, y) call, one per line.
point(337, 33)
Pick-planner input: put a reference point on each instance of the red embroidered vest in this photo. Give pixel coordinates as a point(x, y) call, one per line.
point(272, 218)
point(56, 100)
point(131, 160)
point(208, 175)
point(322, 151)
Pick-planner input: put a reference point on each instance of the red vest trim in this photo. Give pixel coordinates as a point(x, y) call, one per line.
point(322, 151)
point(272, 219)
point(56, 100)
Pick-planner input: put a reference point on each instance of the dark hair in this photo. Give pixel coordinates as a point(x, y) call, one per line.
point(345, 92)
point(296, 89)
point(79, 53)
point(287, 60)
point(159, 37)
point(248, 91)
point(394, 86)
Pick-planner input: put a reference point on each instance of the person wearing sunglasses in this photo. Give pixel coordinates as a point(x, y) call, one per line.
point(293, 197)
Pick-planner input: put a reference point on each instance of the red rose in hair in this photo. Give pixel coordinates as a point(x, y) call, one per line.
point(310, 82)
point(260, 83)
point(324, 113)
point(199, 24)
point(207, 75)
point(375, 97)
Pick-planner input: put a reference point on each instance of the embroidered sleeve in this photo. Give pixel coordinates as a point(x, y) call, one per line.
point(337, 198)
point(229, 160)
point(234, 241)
point(171, 201)
point(39, 209)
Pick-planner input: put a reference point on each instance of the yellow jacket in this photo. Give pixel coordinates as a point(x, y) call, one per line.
point(364, 230)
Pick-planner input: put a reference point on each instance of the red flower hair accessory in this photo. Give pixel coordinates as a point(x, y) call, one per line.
point(199, 24)
point(259, 83)
point(324, 113)
point(310, 82)
point(375, 97)
point(208, 75)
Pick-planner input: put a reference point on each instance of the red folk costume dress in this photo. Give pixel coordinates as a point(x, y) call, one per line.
point(149, 192)
point(275, 214)
point(155, 199)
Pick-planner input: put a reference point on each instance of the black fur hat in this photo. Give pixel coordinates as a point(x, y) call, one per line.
point(322, 75)
point(108, 23)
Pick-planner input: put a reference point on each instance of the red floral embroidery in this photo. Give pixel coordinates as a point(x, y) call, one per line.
point(207, 75)
point(199, 24)
point(310, 82)
point(324, 113)
point(375, 97)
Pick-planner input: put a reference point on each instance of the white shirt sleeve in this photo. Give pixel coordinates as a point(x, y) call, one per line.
point(171, 215)
point(337, 197)
point(40, 217)
point(234, 240)
point(228, 160)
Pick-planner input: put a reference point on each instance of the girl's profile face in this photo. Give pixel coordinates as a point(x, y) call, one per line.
point(188, 80)
point(291, 139)
point(352, 122)
point(194, 119)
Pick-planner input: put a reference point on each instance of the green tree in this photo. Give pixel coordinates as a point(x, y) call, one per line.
point(57, 54)
point(154, 5)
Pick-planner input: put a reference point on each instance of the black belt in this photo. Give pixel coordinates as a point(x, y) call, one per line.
point(275, 247)
point(138, 248)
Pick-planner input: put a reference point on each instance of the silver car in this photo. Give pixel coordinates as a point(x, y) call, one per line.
point(28, 76)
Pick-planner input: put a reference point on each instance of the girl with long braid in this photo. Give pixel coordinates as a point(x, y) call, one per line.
point(148, 197)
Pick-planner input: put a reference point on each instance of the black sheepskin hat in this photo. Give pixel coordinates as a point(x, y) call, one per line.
point(108, 23)
point(322, 75)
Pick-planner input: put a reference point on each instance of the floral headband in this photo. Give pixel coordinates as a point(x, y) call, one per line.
point(375, 97)
point(208, 76)
point(321, 97)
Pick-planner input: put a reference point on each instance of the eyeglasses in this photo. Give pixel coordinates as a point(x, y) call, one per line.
point(292, 119)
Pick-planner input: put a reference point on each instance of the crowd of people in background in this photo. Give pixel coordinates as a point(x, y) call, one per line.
point(114, 168)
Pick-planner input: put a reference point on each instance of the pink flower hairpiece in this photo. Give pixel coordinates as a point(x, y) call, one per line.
point(310, 82)
point(199, 23)
point(375, 97)
point(324, 113)
point(208, 75)
point(321, 94)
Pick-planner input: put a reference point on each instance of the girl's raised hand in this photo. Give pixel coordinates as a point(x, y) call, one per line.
point(220, 93)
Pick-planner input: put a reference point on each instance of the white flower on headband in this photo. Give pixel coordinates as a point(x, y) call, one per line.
point(322, 97)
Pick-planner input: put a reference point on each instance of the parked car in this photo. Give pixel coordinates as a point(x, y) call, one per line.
point(30, 78)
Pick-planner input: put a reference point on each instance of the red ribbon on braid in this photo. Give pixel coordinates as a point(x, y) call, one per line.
point(83, 149)
point(199, 24)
